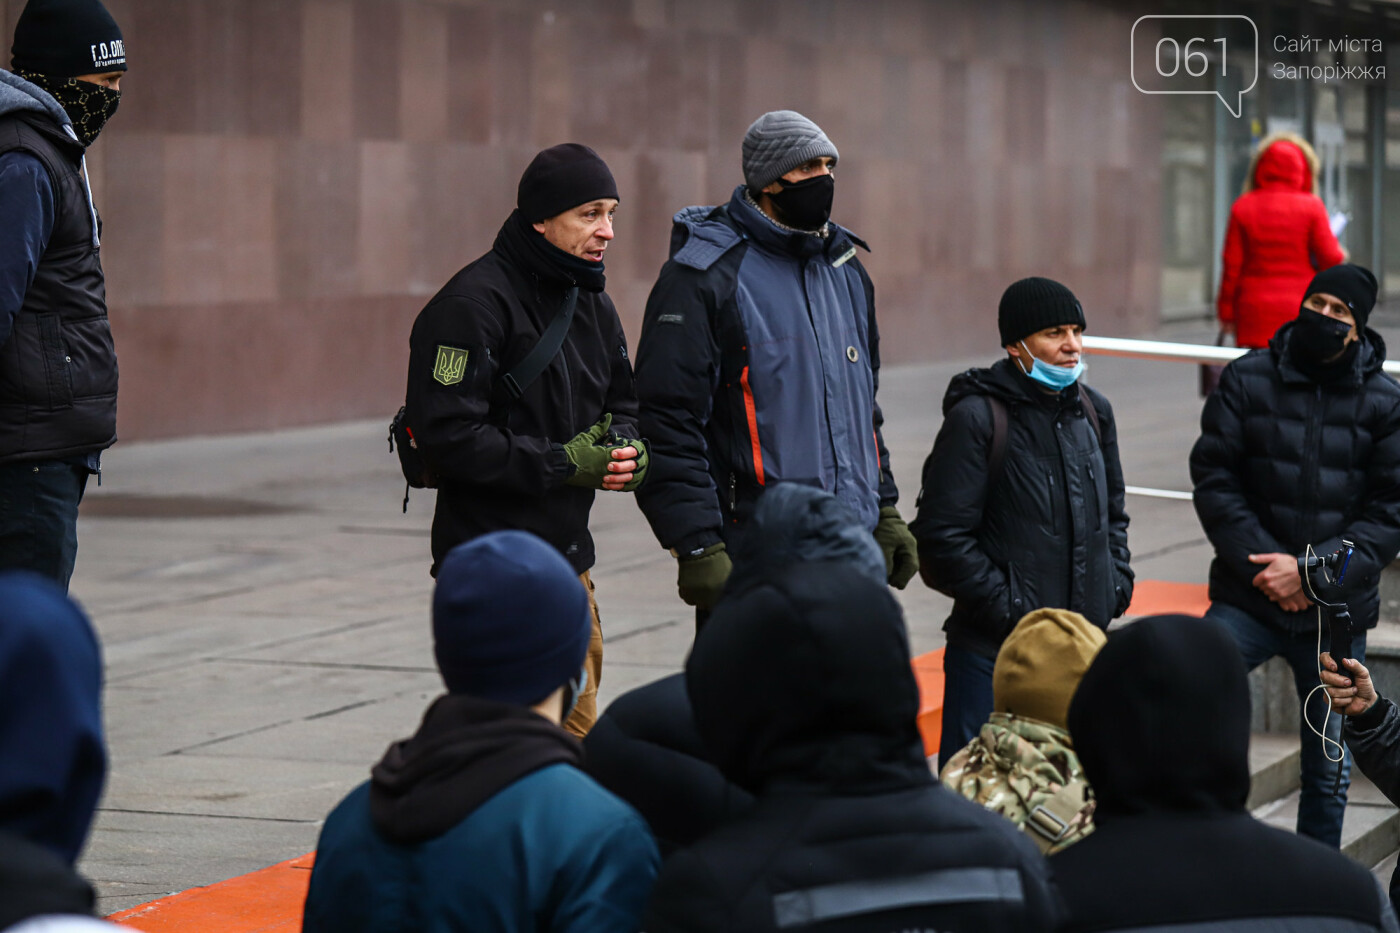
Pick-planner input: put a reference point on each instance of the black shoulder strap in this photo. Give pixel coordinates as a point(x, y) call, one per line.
point(528, 370)
point(996, 458)
point(1090, 412)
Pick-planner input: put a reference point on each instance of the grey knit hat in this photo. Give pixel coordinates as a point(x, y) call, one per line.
point(778, 142)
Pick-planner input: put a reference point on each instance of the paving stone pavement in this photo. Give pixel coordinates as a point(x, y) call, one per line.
point(263, 606)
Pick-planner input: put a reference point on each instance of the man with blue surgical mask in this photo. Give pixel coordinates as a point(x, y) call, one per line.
point(1022, 500)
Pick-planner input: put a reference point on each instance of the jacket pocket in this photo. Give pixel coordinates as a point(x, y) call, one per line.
point(1095, 499)
point(58, 371)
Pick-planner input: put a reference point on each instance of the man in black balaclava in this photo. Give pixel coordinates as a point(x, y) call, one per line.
point(1301, 446)
point(58, 368)
point(1161, 724)
point(513, 452)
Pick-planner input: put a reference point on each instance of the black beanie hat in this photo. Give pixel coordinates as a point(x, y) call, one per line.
point(67, 38)
point(562, 177)
point(1034, 304)
point(1353, 284)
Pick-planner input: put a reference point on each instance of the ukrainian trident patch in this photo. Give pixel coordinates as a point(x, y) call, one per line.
point(451, 365)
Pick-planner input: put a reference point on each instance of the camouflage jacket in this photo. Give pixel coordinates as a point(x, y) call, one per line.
point(1016, 765)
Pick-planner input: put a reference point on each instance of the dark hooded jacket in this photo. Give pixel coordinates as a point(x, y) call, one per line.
point(501, 464)
point(803, 694)
point(1285, 460)
point(58, 367)
point(644, 747)
point(1161, 724)
point(1048, 531)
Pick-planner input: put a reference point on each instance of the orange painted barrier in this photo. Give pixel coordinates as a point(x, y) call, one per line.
point(1156, 597)
point(266, 901)
point(928, 671)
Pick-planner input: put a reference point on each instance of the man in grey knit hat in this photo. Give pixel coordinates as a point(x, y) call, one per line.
point(759, 362)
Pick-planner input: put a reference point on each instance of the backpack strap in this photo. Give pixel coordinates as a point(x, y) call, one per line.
point(1053, 819)
point(1091, 413)
point(996, 456)
point(528, 369)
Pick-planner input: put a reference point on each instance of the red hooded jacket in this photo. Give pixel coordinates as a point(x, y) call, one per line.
point(1278, 239)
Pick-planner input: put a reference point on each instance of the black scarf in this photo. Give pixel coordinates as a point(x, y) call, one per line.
point(88, 105)
point(466, 750)
point(527, 248)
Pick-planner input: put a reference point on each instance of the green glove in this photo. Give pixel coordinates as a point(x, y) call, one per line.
point(588, 462)
point(901, 550)
point(643, 461)
point(700, 577)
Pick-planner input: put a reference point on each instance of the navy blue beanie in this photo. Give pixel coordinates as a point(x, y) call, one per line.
point(510, 619)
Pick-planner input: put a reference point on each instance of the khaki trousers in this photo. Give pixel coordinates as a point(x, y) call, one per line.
point(586, 709)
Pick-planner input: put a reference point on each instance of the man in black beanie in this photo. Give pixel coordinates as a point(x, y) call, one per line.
point(58, 367)
point(1022, 500)
point(520, 395)
point(1299, 446)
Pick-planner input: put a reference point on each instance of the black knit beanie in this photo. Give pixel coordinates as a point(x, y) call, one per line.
point(1034, 304)
point(562, 177)
point(67, 38)
point(1353, 284)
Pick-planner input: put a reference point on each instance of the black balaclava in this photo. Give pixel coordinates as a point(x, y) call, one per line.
point(57, 40)
point(806, 204)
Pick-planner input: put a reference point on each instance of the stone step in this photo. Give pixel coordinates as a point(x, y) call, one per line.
point(1370, 829)
point(1273, 767)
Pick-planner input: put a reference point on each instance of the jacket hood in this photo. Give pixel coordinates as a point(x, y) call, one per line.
point(20, 96)
point(1002, 380)
point(50, 716)
point(802, 681)
point(793, 523)
point(1369, 358)
point(1283, 161)
point(1161, 720)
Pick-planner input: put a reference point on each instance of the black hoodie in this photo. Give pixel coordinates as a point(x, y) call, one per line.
point(803, 694)
point(1049, 531)
point(1284, 461)
point(1161, 724)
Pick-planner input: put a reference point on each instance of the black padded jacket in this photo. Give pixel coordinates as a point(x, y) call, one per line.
point(1284, 461)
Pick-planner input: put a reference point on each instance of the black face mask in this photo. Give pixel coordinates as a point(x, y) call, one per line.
point(806, 204)
point(88, 105)
point(1317, 337)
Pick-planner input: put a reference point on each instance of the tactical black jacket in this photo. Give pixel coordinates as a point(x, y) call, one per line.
point(1284, 461)
point(499, 463)
point(58, 369)
point(1049, 530)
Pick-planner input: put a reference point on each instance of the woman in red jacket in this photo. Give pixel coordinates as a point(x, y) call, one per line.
point(1278, 239)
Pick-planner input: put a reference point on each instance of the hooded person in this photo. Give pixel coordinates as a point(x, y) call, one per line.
point(520, 396)
point(58, 366)
point(482, 820)
point(52, 747)
point(1161, 724)
point(1022, 764)
point(1299, 448)
point(1278, 237)
point(645, 747)
point(1022, 504)
point(803, 696)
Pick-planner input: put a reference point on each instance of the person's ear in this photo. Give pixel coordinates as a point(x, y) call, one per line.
point(539, 228)
point(1013, 350)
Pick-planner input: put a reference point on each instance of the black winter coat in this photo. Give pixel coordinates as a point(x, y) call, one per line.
point(1283, 462)
point(501, 465)
point(1049, 531)
point(803, 694)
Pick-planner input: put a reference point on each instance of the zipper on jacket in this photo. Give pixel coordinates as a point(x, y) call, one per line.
point(1305, 517)
point(733, 486)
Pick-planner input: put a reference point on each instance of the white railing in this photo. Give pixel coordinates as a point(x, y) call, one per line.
point(1177, 352)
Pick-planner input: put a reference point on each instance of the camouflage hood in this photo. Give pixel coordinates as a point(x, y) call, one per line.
point(1013, 766)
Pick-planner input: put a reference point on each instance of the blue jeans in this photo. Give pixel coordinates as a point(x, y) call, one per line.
point(1319, 810)
point(39, 516)
point(967, 699)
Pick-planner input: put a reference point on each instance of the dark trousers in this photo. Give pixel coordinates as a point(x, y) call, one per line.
point(39, 517)
point(967, 699)
point(1319, 809)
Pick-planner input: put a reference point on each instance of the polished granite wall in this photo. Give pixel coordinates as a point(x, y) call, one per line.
point(288, 181)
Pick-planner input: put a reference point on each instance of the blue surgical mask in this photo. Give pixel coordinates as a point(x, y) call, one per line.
point(1053, 377)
